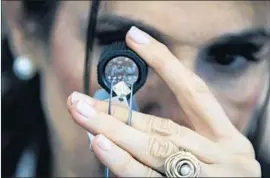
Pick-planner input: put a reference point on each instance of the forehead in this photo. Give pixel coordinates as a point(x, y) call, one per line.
point(191, 22)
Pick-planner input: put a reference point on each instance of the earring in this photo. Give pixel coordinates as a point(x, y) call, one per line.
point(23, 68)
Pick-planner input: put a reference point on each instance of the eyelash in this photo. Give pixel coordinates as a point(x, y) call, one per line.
point(106, 38)
point(230, 57)
point(222, 55)
point(220, 52)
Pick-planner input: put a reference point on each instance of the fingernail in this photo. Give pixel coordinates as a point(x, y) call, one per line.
point(138, 36)
point(85, 109)
point(104, 143)
point(90, 137)
point(75, 96)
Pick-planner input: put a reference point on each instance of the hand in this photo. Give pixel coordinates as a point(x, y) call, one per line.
point(141, 150)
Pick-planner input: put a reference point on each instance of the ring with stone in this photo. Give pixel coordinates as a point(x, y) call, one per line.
point(182, 164)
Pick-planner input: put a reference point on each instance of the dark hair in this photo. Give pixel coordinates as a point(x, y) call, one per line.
point(23, 122)
point(31, 128)
point(42, 13)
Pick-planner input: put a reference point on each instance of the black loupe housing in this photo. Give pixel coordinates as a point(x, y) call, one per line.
point(113, 52)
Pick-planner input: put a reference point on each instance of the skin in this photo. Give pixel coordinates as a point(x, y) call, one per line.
point(221, 149)
point(61, 66)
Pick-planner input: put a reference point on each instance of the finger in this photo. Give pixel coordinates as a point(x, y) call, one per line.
point(120, 162)
point(152, 125)
point(143, 122)
point(150, 150)
point(193, 95)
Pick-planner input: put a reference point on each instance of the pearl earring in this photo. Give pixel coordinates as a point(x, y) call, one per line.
point(24, 68)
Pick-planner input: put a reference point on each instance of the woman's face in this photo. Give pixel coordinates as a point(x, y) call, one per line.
point(189, 29)
point(185, 27)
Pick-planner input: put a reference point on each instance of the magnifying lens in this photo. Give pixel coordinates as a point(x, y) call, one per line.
point(120, 68)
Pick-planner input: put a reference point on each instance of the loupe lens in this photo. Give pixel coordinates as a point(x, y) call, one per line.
point(121, 69)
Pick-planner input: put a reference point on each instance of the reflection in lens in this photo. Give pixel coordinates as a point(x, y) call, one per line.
point(121, 69)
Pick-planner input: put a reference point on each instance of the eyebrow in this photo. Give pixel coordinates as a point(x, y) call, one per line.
point(111, 27)
point(114, 26)
point(257, 36)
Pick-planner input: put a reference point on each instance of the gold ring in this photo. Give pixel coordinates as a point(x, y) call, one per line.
point(182, 164)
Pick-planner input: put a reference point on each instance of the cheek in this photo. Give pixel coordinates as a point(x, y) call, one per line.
point(237, 93)
point(67, 63)
point(67, 56)
point(68, 53)
point(240, 102)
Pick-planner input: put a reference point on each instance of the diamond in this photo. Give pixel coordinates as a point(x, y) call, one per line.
point(121, 89)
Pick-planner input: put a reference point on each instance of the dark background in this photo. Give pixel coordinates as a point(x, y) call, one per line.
point(23, 123)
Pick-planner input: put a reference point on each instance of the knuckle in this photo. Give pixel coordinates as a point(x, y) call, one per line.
point(181, 139)
point(163, 48)
point(247, 147)
point(163, 127)
point(239, 145)
point(184, 132)
point(148, 123)
point(158, 62)
point(250, 166)
point(257, 169)
point(160, 147)
point(172, 126)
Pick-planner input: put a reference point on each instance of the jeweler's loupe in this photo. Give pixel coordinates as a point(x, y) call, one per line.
point(120, 65)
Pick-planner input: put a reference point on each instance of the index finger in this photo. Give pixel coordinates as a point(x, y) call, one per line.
point(143, 122)
point(196, 100)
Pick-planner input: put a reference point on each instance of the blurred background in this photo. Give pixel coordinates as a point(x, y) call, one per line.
point(25, 149)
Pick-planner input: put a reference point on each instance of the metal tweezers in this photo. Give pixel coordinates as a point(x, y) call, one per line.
point(107, 171)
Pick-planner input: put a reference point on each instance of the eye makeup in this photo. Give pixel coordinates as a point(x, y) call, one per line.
point(245, 44)
point(112, 28)
point(232, 53)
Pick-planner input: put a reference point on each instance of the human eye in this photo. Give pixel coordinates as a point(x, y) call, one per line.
point(231, 56)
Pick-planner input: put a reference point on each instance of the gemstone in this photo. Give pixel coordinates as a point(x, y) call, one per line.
point(121, 89)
